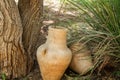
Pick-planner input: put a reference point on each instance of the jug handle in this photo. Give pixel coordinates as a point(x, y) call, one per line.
point(42, 50)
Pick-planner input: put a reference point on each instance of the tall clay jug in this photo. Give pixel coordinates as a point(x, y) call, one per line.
point(54, 56)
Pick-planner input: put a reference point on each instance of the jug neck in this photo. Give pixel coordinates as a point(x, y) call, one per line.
point(57, 37)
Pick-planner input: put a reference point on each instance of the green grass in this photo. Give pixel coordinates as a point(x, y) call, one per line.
point(103, 33)
point(3, 76)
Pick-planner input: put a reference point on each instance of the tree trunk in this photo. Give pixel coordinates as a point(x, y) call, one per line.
point(31, 14)
point(13, 59)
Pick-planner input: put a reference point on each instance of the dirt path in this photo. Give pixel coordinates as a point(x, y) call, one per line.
point(56, 12)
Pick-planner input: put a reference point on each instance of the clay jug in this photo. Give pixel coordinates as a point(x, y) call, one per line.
point(81, 61)
point(54, 56)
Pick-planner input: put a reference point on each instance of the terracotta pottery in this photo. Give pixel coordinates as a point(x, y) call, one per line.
point(81, 60)
point(54, 56)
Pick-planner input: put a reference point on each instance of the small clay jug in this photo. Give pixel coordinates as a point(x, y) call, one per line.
point(81, 60)
point(54, 56)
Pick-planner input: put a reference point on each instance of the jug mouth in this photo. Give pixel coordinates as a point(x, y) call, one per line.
point(58, 28)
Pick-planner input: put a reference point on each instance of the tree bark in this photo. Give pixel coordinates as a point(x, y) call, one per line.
point(31, 14)
point(13, 58)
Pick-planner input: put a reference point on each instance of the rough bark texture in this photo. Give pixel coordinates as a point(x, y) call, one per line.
point(12, 56)
point(31, 14)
